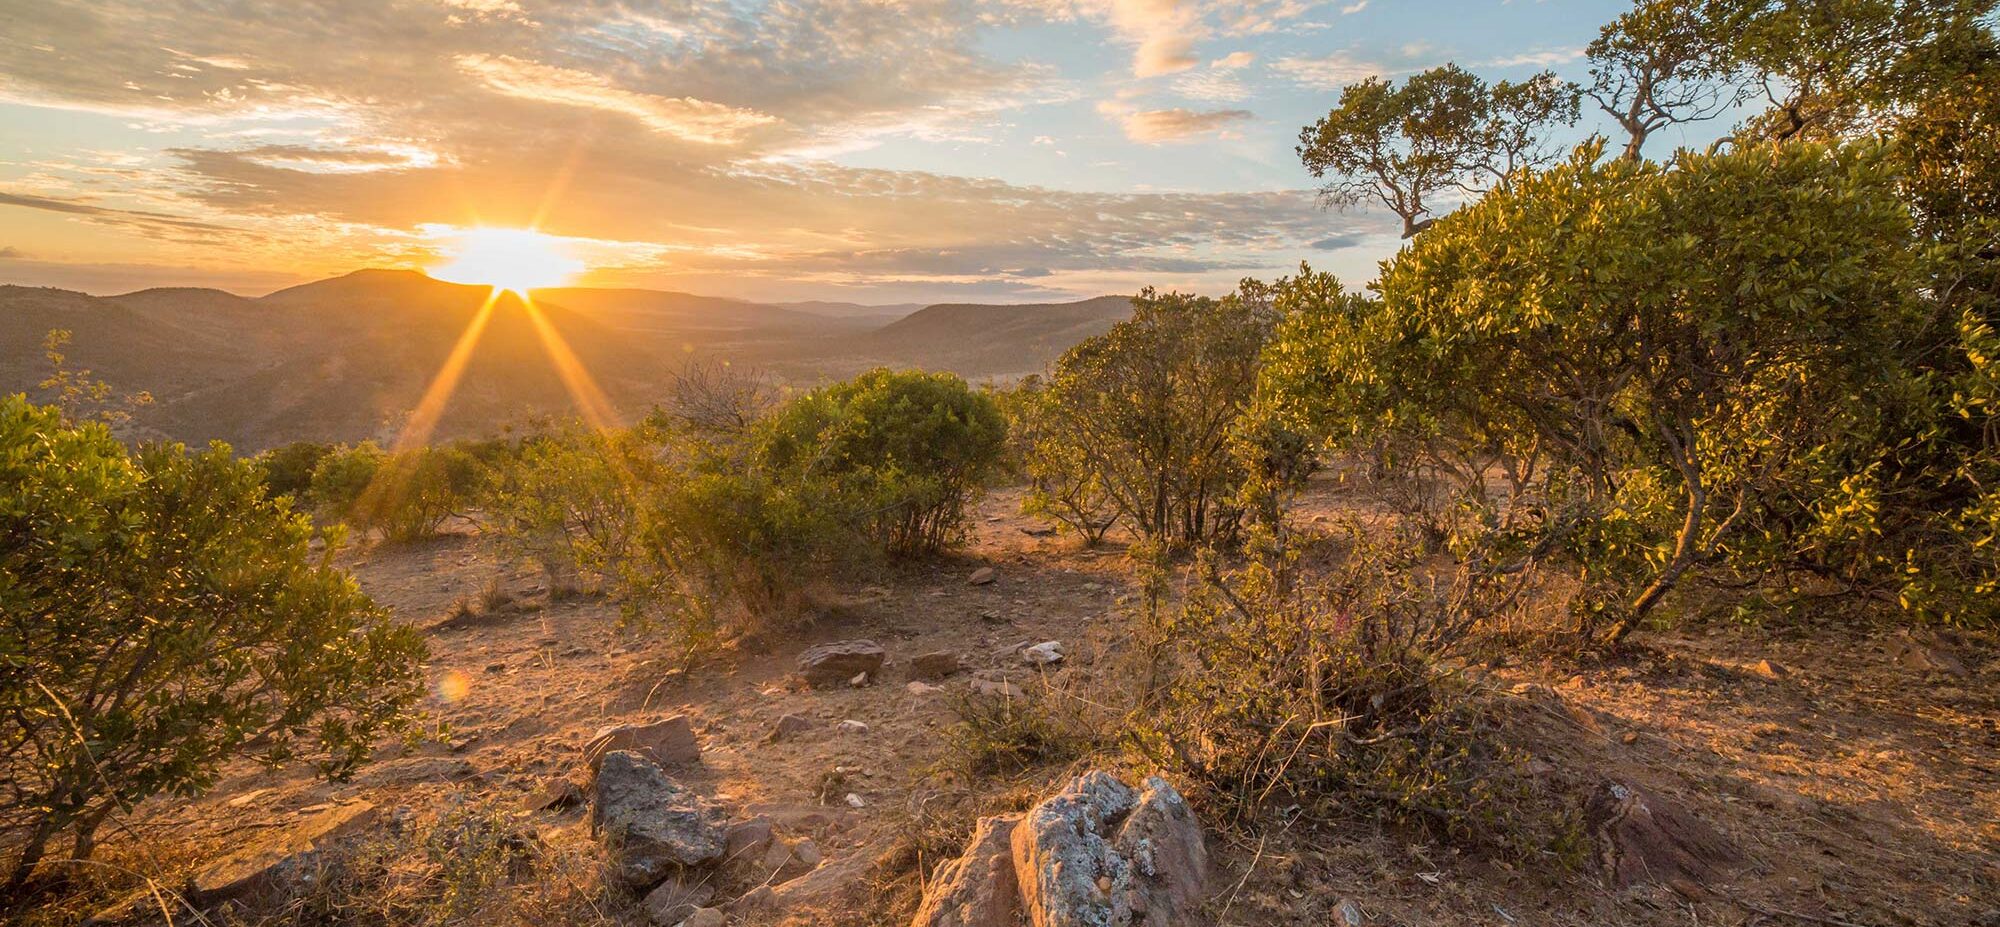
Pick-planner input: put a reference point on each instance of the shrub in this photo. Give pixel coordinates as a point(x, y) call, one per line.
point(1661, 399)
point(406, 495)
point(159, 614)
point(571, 500)
point(288, 470)
point(901, 453)
point(1145, 413)
point(1062, 486)
point(1343, 695)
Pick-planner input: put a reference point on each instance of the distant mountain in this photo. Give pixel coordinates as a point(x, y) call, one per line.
point(995, 341)
point(348, 357)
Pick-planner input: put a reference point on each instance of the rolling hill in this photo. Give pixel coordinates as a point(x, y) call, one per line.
point(346, 358)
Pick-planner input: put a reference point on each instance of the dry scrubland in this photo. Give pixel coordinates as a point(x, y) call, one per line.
point(1858, 788)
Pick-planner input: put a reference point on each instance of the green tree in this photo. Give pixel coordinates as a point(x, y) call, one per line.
point(1684, 344)
point(288, 470)
point(1403, 147)
point(1663, 63)
point(1147, 412)
point(159, 615)
point(902, 451)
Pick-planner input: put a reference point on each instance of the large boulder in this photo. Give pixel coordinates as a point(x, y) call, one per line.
point(840, 661)
point(652, 825)
point(1070, 875)
point(669, 742)
point(978, 888)
point(1097, 854)
point(1642, 837)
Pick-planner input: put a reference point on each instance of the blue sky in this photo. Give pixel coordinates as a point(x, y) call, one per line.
point(871, 150)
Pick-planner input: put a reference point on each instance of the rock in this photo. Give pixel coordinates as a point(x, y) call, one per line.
point(806, 851)
point(788, 727)
point(983, 576)
point(676, 900)
point(651, 825)
point(748, 839)
point(856, 801)
point(851, 726)
point(860, 680)
point(706, 917)
point(977, 889)
point(1925, 655)
point(834, 885)
point(1642, 837)
point(1169, 860)
point(1348, 914)
point(839, 661)
point(553, 794)
point(269, 862)
point(669, 741)
point(1770, 670)
point(1046, 653)
point(931, 667)
point(997, 688)
point(1099, 854)
point(1062, 849)
point(921, 688)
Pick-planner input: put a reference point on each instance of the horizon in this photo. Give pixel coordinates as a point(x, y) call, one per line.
point(845, 151)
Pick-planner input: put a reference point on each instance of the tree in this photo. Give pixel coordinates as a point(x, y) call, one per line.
point(160, 615)
point(1683, 343)
point(1663, 63)
point(1061, 484)
point(1146, 413)
point(903, 451)
point(81, 396)
point(1444, 129)
point(1833, 68)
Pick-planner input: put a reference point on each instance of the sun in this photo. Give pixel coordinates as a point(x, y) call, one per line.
point(509, 259)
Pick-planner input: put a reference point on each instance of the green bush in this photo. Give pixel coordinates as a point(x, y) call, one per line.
point(159, 615)
point(288, 470)
point(406, 495)
point(1142, 418)
point(900, 453)
point(572, 501)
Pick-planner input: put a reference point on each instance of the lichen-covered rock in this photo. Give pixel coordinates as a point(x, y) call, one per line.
point(1642, 837)
point(652, 825)
point(269, 862)
point(839, 661)
point(977, 889)
point(1069, 872)
point(669, 742)
point(1162, 841)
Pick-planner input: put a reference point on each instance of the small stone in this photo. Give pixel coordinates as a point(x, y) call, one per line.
point(1631, 737)
point(806, 851)
point(855, 801)
point(983, 576)
point(555, 793)
point(669, 741)
point(706, 917)
point(674, 901)
point(851, 726)
point(496, 667)
point(1046, 653)
point(934, 666)
point(1770, 670)
point(831, 663)
point(1348, 914)
point(788, 727)
point(860, 680)
point(922, 688)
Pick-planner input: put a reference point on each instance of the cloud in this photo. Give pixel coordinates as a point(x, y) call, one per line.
point(1330, 72)
point(1164, 31)
point(685, 117)
point(11, 253)
point(129, 217)
point(1338, 242)
point(1153, 126)
point(1546, 58)
point(1233, 61)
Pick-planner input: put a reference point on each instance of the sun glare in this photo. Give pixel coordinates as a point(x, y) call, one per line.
point(510, 259)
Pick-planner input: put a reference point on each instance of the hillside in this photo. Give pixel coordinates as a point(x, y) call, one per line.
point(346, 358)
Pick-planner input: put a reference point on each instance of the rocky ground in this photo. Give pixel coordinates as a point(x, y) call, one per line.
point(1850, 776)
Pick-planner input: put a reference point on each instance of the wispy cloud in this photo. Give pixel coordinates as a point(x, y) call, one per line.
point(685, 117)
point(1153, 126)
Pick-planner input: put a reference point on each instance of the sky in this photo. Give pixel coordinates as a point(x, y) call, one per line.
point(866, 150)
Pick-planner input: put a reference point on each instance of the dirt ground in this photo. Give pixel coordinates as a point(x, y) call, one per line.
point(1860, 791)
